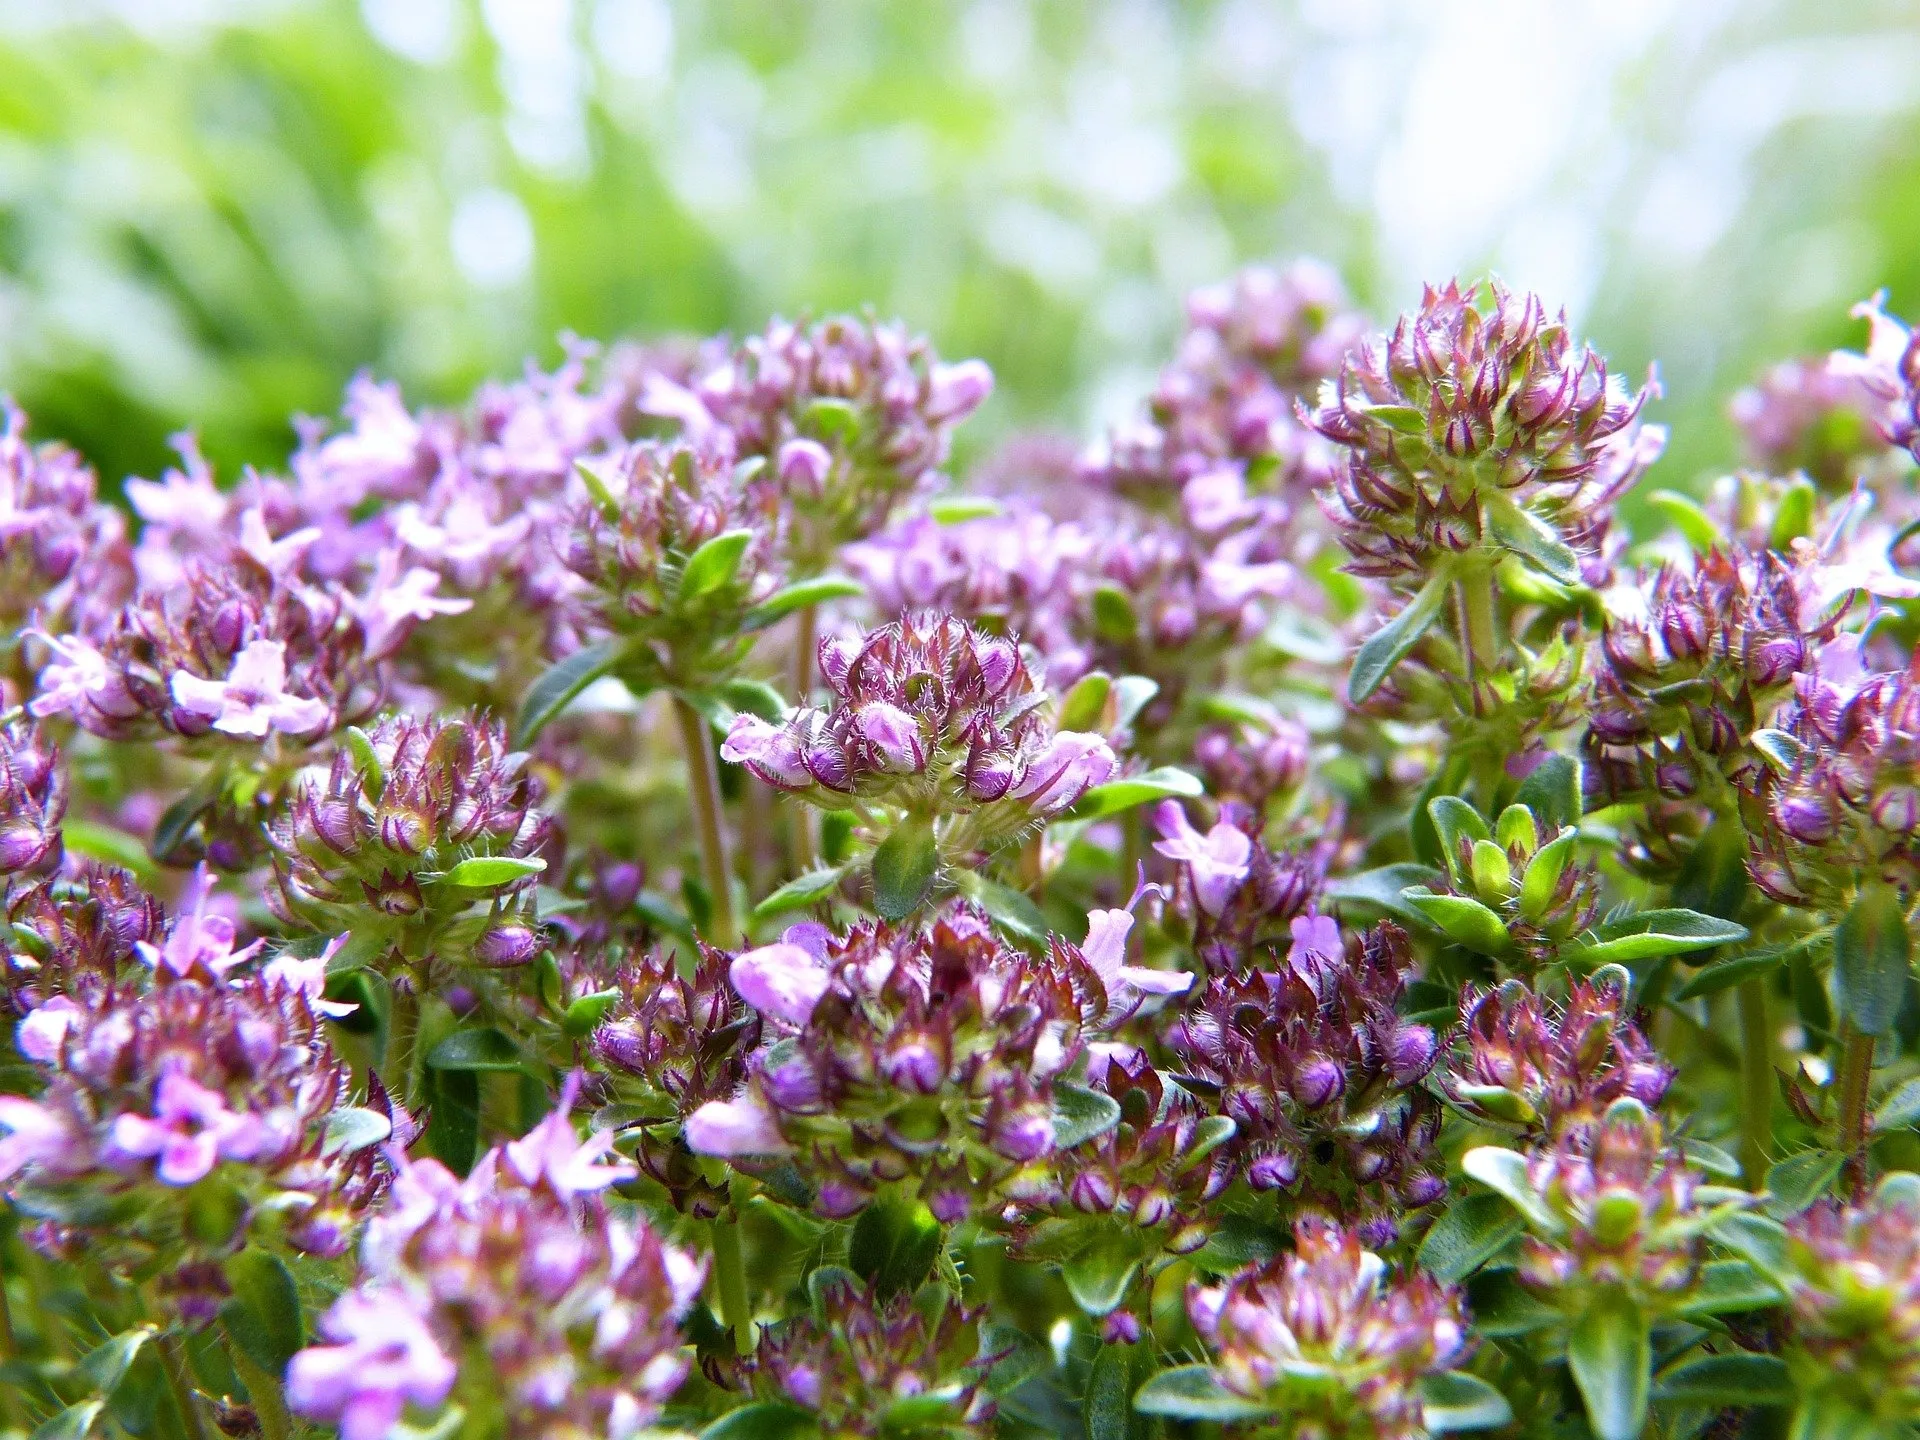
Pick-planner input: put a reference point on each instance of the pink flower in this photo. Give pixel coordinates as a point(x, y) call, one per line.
point(396, 602)
point(384, 1357)
point(895, 734)
point(1216, 861)
point(552, 1151)
point(44, 1030)
point(306, 976)
point(35, 1136)
point(279, 558)
point(200, 940)
point(78, 679)
point(1106, 951)
point(1071, 764)
point(730, 1128)
point(767, 750)
point(782, 980)
point(190, 1132)
point(956, 391)
point(253, 699)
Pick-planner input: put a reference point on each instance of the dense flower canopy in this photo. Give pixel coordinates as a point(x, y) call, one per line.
point(646, 902)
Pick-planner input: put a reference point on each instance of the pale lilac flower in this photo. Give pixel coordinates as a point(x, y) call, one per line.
point(40, 1035)
point(895, 734)
point(803, 465)
point(253, 699)
point(381, 455)
point(552, 1151)
point(1105, 949)
point(1316, 949)
point(1215, 499)
point(396, 602)
point(732, 1128)
point(190, 1132)
point(769, 750)
point(280, 558)
point(384, 1357)
point(955, 391)
point(1218, 860)
point(1070, 764)
point(79, 679)
point(306, 976)
point(35, 1136)
point(782, 980)
point(201, 939)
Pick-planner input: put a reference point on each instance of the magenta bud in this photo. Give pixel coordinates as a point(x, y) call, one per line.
point(802, 1384)
point(1807, 818)
point(838, 1200)
point(998, 660)
point(510, 943)
point(404, 831)
point(1775, 661)
point(949, 1205)
point(1377, 1232)
point(916, 1065)
point(1410, 1053)
point(1091, 1192)
point(956, 391)
point(989, 775)
point(1422, 1188)
point(23, 845)
point(1024, 1135)
point(893, 733)
point(803, 466)
point(1318, 1081)
point(1120, 1328)
point(1273, 1172)
point(1154, 1209)
point(1898, 810)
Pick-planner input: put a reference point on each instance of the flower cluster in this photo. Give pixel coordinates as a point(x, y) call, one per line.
point(1547, 1072)
point(414, 824)
point(934, 718)
point(518, 1290)
point(1235, 894)
point(1322, 1077)
point(864, 1366)
point(924, 1057)
point(33, 800)
point(1325, 1342)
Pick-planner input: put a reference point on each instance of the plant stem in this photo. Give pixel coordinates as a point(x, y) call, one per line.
point(730, 1272)
point(11, 1413)
point(1756, 1081)
point(1856, 1071)
point(263, 1389)
point(800, 820)
point(1479, 621)
point(173, 1360)
point(703, 786)
point(403, 1033)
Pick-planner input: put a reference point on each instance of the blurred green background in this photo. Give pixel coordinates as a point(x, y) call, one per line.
point(213, 212)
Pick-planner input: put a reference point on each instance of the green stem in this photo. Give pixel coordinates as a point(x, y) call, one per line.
point(1756, 1081)
point(1856, 1071)
point(800, 818)
point(173, 1360)
point(1479, 621)
point(403, 1034)
point(12, 1413)
point(703, 787)
point(263, 1389)
point(730, 1272)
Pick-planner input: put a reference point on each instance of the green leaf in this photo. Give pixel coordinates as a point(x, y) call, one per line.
point(453, 1117)
point(1080, 1115)
point(588, 1011)
point(1113, 617)
point(353, 1129)
point(1899, 1110)
point(832, 419)
point(1099, 1277)
point(1131, 694)
point(263, 1314)
point(366, 943)
point(1471, 1232)
point(798, 596)
point(110, 847)
point(1531, 538)
point(1793, 515)
point(1455, 820)
point(1725, 974)
point(1799, 1180)
point(1082, 706)
point(559, 684)
point(1107, 1407)
point(1382, 889)
point(1390, 644)
point(1713, 875)
point(1118, 795)
point(481, 1048)
point(1190, 1392)
point(1683, 512)
point(1454, 1401)
point(1758, 1239)
point(106, 1365)
point(894, 1244)
point(957, 509)
point(1718, 1381)
point(71, 1423)
point(713, 564)
point(486, 872)
point(1505, 1173)
point(1541, 879)
point(1021, 1357)
point(1462, 920)
point(1610, 1351)
point(1825, 1415)
point(1731, 1287)
point(1779, 749)
point(366, 760)
point(752, 697)
point(1872, 959)
point(1651, 934)
point(1404, 419)
point(1503, 1308)
point(1008, 908)
point(1209, 1135)
point(800, 892)
point(1711, 1158)
point(903, 868)
point(763, 1420)
point(1552, 792)
point(598, 489)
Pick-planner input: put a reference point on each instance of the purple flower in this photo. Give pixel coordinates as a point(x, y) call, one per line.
point(35, 1136)
point(382, 1358)
point(190, 1131)
point(1217, 861)
point(894, 734)
point(731, 1128)
point(956, 391)
point(804, 466)
point(80, 679)
point(253, 699)
point(199, 945)
point(553, 1154)
point(768, 750)
point(782, 980)
point(1069, 765)
point(395, 603)
point(1105, 949)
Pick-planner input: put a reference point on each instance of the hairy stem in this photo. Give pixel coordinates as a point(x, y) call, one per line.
point(12, 1413)
point(403, 1031)
point(1756, 1081)
point(800, 818)
point(703, 786)
point(173, 1360)
point(263, 1389)
point(730, 1273)
point(1856, 1071)
point(1479, 622)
